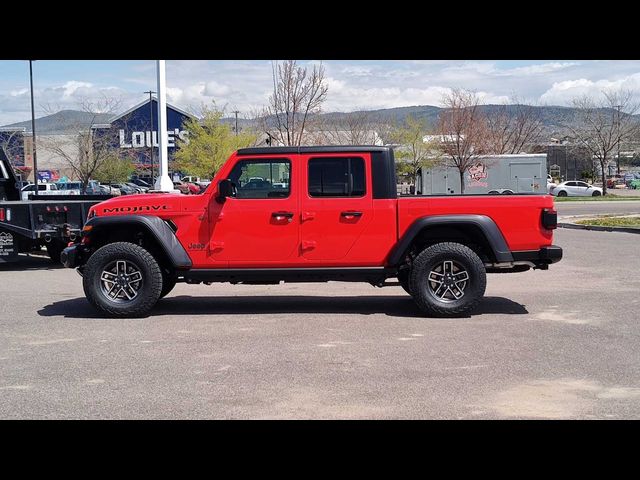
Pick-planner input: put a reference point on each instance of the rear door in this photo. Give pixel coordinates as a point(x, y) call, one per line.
point(336, 204)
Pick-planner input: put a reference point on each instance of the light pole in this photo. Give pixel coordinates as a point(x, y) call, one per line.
point(236, 112)
point(33, 130)
point(618, 157)
point(150, 92)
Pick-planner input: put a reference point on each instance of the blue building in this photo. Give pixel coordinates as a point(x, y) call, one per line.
point(133, 134)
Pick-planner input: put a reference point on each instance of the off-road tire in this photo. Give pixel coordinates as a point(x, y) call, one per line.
point(430, 260)
point(168, 282)
point(148, 293)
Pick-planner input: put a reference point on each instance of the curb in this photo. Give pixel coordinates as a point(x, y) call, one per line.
point(598, 228)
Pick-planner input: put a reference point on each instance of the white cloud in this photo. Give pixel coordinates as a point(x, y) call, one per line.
point(561, 93)
point(539, 69)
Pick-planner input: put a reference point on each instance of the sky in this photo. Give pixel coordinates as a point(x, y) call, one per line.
point(245, 85)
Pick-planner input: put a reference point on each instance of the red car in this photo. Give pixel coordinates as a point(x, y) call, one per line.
point(310, 214)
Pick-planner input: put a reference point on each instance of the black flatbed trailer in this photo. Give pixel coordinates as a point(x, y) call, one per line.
point(49, 220)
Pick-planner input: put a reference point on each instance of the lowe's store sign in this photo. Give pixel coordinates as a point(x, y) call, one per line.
point(143, 139)
point(136, 130)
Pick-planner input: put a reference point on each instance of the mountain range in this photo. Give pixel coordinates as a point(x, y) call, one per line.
point(67, 121)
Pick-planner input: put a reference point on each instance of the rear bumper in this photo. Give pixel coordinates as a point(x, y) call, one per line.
point(540, 258)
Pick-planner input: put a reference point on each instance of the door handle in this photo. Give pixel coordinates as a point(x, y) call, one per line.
point(279, 216)
point(350, 214)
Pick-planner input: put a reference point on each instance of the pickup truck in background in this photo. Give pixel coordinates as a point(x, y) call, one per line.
point(334, 216)
point(51, 220)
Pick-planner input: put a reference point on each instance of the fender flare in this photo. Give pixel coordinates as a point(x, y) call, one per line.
point(486, 225)
point(155, 226)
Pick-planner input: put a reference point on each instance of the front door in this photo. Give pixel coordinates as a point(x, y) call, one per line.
point(259, 225)
point(336, 205)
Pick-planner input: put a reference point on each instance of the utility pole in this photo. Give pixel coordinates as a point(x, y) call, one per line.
point(618, 157)
point(150, 92)
point(33, 130)
point(236, 112)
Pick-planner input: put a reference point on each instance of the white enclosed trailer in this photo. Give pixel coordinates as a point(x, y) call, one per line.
point(493, 174)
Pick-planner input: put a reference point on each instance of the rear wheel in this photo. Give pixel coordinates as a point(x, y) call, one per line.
point(122, 280)
point(447, 279)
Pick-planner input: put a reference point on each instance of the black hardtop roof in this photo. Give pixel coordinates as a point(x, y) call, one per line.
point(312, 149)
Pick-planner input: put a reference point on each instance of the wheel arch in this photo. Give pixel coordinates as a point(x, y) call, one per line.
point(156, 234)
point(477, 229)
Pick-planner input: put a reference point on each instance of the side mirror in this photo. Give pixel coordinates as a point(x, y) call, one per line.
point(226, 188)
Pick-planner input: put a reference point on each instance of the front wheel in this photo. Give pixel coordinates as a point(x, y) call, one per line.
point(122, 280)
point(596, 193)
point(447, 279)
point(562, 193)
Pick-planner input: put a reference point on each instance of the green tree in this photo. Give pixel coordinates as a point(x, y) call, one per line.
point(210, 144)
point(114, 170)
point(413, 153)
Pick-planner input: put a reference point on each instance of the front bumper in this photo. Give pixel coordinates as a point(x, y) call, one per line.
point(540, 258)
point(73, 256)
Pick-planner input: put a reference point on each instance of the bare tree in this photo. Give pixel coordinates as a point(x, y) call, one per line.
point(513, 128)
point(12, 144)
point(297, 93)
point(601, 123)
point(87, 147)
point(462, 129)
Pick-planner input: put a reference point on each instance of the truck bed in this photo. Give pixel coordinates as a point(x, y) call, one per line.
point(517, 216)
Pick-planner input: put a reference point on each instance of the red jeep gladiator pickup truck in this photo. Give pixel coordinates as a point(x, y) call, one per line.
point(309, 214)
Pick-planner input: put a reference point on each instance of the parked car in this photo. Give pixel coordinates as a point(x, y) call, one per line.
point(550, 183)
point(613, 181)
point(635, 184)
point(124, 189)
point(110, 190)
point(183, 187)
point(575, 189)
point(69, 188)
point(43, 189)
point(137, 188)
point(190, 179)
point(141, 183)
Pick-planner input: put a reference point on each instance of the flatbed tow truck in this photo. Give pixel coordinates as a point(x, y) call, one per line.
point(51, 221)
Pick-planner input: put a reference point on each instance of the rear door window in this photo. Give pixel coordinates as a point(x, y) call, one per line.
point(337, 177)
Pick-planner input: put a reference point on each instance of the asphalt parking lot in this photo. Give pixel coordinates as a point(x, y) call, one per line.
point(556, 344)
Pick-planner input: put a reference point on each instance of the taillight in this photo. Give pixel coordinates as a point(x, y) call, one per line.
point(550, 218)
point(1, 214)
